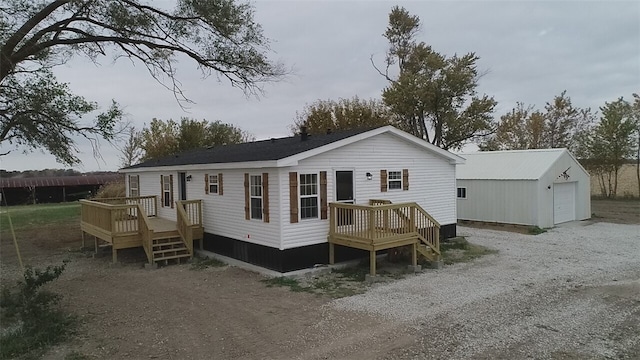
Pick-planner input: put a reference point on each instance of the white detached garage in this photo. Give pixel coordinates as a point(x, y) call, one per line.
point(541, 187)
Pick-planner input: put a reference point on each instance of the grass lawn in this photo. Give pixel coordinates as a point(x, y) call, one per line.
point(28, 216)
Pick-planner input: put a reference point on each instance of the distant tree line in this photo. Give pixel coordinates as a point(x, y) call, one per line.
point(4, 174)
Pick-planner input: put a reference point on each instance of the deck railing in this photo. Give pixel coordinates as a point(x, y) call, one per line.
point(382, 222)
point(110, 218)
point(148, 203)
point(193, 210)
point(146, 232)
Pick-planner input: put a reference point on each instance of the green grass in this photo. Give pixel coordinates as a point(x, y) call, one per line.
point(201, 263)
point(293, 284)
point(75, 355)
point(354, 273)
point(26, 216)
point(460, 250)
point(535, 230)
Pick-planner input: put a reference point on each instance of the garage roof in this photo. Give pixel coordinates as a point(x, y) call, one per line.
point(507, 165)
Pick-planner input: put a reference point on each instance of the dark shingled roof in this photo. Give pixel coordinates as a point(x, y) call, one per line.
point(272, 149)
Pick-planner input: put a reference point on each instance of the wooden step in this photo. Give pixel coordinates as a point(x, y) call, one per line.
point(155, 252)
point(165, 235)
point(164, 258)
point(171, 243)
point(427, 252)
point(165, 240)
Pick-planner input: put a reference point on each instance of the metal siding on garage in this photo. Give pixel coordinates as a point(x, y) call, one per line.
point(564, 202)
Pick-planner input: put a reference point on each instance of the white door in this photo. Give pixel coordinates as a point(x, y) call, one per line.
point(564, 202)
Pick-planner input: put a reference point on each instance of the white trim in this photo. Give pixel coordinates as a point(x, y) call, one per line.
point(211, 183)
point(335, 184)
point(389, 180)
point(316, 196)
point(251, 196)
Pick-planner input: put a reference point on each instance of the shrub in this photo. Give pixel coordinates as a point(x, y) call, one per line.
point(112, 190)
point(31, 314)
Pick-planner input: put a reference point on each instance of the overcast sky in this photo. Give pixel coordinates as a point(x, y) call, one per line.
point(532, 51)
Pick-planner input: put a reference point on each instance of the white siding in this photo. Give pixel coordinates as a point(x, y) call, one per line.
point(431, 182)
point(526, 202)
point(554, 176)
point(150, 185)
point(503, 201)
point(222, 214)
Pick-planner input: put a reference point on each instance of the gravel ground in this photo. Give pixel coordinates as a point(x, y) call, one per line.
point(572, 292)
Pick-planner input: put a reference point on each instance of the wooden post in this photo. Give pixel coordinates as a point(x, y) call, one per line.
point(114, 253)
point(372, 263)
point(332, 250)
point(95, 245)
point(155, 205)
point(414, 255)
point(64, 194)
point(84, 245)
point(372, 228)
point(412, 218)
point(332, 219)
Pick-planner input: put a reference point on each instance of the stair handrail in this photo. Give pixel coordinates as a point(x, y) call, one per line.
point(414, 220)
point(146, 232)
point(433, 243)
point(184, 227)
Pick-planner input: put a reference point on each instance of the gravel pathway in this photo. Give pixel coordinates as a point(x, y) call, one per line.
point(572, 292)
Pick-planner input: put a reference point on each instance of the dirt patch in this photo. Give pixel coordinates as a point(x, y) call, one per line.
point(521, 229)
point(616, 211)
point(187, 312)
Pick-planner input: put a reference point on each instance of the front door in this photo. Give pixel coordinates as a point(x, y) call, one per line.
point(182, 185)
point(344, 194)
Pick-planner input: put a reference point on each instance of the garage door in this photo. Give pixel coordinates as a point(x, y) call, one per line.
point(564, 202)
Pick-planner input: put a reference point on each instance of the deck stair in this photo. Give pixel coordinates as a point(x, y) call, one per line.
point(167, 246)
point(134, 222)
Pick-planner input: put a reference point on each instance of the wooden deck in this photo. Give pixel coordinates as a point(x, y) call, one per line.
point(132, 222)
point(382, 225)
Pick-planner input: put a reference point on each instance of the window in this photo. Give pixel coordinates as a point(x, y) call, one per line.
point(255, 187)
point(394, 180)
point(133, 186)
point(308, 196)
point(213, 184)
point(462, 193)
point(166, 190)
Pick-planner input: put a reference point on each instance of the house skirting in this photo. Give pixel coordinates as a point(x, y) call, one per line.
point(289, 259)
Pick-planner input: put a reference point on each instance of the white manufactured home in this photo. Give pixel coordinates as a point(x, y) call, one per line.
point(269, 202)
point(541, 187)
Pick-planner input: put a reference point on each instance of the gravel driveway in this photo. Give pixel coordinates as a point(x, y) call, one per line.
point(572, 292)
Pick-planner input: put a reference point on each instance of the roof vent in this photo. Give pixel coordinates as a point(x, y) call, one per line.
point(328, 131)
point(273, 140)
point(304, 135)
